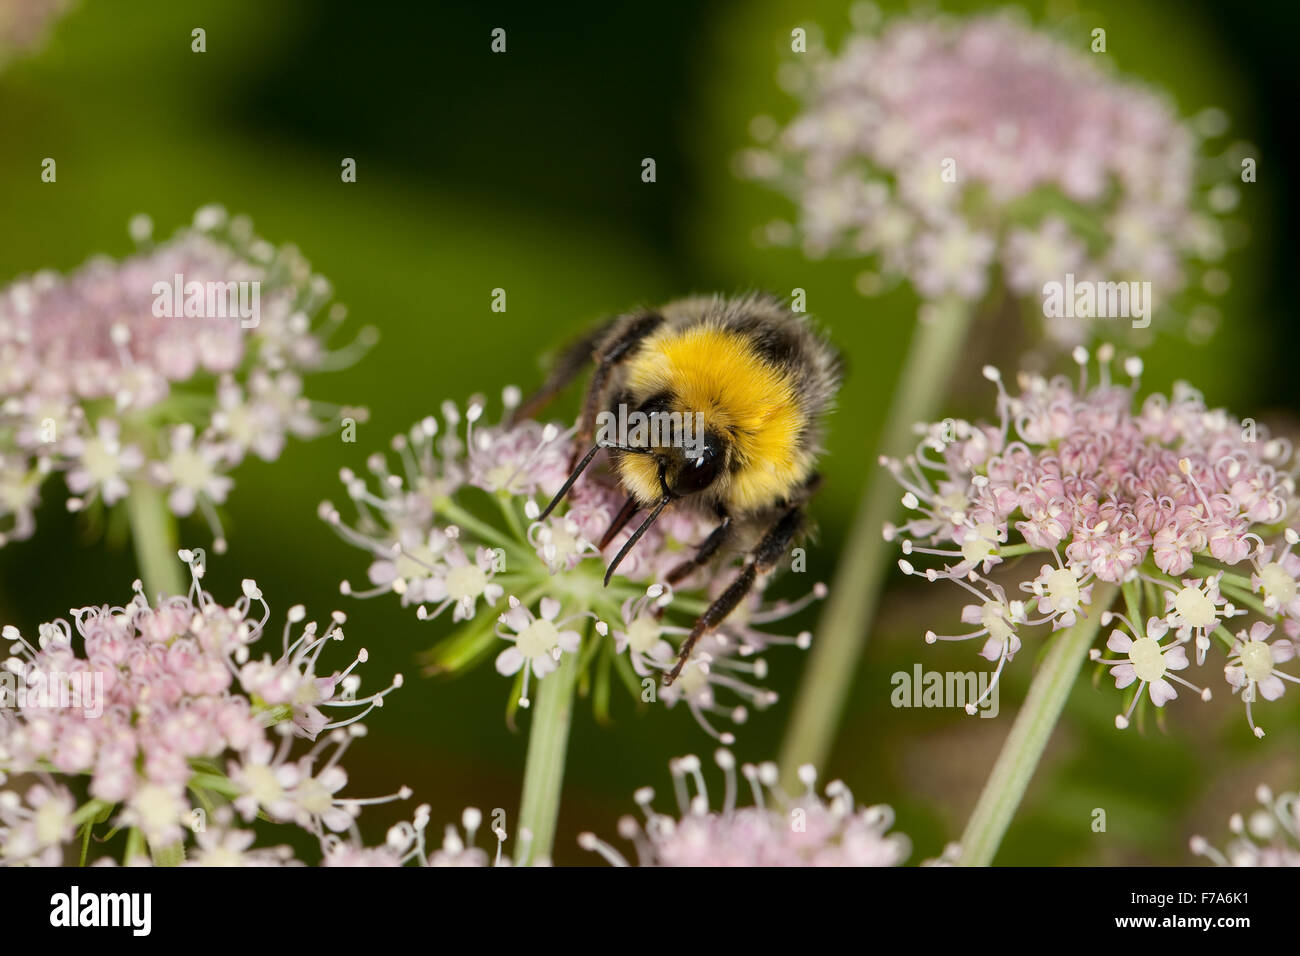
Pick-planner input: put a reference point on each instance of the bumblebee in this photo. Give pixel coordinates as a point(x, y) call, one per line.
point(755, 379)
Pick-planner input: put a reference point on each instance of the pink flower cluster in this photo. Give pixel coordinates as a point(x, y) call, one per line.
point(407, 844)
point(1189, 510)
point(415, 558)
point(433, 548)
point(212, 329)
point(775, 830)
point(152, 703)
point(945, 147)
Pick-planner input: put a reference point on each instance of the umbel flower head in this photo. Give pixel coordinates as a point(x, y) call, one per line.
point(407, 844)
point(453, 529)
point(164, 719)
point(166, 369)
point(1189, 511)
point(774, 830)
point(1268, 836)
point(946, 149)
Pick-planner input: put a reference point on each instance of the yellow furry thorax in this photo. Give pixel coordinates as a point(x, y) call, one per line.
point(753, 403)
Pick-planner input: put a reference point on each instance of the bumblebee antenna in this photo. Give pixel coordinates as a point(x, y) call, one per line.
point(581, 467)
point(636, 536)
point(568, 482)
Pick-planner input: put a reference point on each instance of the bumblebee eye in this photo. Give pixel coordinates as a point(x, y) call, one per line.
point(698, 473)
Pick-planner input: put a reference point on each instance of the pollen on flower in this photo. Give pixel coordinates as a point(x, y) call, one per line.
point(1193, 606)
point(538, 641)
point(1252, 667)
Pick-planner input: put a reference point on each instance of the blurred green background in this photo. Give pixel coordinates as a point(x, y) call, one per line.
point(522, 171)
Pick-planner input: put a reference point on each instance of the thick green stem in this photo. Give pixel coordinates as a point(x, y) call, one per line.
point(153, 534)
point(548, 744)
point(1029, 735)
point(171, 855)
point(851, 604)
point(135, 846)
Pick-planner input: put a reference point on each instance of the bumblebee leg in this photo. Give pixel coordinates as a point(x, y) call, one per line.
point(620, 521)
point(703, 553)
point(760, 561)
point(613, 349)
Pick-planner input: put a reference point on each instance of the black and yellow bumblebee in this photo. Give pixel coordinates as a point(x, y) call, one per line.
point(759, 378)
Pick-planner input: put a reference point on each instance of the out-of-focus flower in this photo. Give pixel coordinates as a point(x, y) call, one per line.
point(34, 826)
point(166, 368)
point(944, 148)
point(775, 830)
point(1269, 836)
point(1174, 502)
point(454, 530)
point(406, 844)
point(32, 832)
point(153, 704)
point(221, 843)
point(25, 24)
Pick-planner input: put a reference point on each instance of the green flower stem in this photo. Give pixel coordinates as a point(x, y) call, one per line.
point(135, 846)
point(511, 516)
point(455, 513)
point(1029, 734)
point(171, 855)
point(92, 811)
point(216, 782)
point(1208, 571)
point(548, 744)
point(1016, 550)
point(1223, 634)
point(153, 533)
point(850, 606)
point(86, 829)
point(1242, 596)
point(1133, 603)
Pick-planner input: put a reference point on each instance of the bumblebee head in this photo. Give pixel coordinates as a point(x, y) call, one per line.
point(661, 455)
point(658, 475)
point(691, 468)
point(668, 453)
